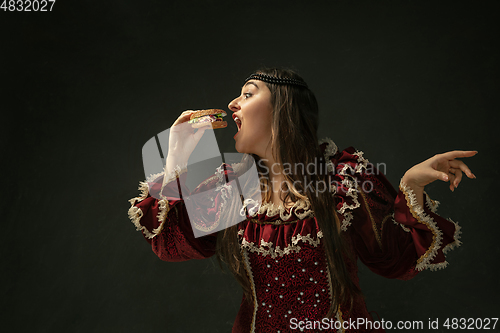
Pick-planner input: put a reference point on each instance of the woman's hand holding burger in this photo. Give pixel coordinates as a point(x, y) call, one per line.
point(183, 138)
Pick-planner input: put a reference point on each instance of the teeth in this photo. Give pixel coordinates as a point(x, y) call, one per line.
point(237, 121)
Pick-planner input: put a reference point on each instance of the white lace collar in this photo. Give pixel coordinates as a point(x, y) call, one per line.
point(271, 209)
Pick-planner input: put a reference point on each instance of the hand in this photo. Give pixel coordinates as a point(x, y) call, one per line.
point(444, 167)
point(182, 141)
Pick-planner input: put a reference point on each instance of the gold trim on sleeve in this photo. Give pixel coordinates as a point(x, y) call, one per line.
point(135, 213)
point(419, 214)
point(374, 225)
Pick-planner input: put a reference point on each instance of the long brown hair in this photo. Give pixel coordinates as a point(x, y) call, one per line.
point(295, 124)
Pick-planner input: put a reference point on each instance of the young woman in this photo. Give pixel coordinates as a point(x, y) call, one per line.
point(295, 254)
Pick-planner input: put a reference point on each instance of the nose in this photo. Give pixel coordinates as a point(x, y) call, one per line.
point(233, 105)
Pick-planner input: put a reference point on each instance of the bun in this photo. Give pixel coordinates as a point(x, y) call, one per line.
point(213, 117)
point(207, 112)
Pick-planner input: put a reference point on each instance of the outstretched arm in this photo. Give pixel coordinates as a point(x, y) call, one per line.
point(393, 234)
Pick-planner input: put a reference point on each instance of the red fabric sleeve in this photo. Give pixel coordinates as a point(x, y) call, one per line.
point(392, 235)
point(162, 217)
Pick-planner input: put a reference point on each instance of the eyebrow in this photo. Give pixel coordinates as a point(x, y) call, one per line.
point(251, 82)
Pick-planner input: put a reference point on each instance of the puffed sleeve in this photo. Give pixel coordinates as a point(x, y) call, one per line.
point(160, 213)
point(391, 233)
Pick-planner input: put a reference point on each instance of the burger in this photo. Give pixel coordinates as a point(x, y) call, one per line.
point(203, 117)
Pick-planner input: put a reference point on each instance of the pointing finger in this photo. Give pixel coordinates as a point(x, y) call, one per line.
point(451, 155)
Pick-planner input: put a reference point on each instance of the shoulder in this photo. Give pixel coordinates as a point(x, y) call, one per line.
point(343, 162)
point(353, 181)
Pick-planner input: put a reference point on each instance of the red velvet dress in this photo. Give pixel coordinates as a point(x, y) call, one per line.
point(291, 288)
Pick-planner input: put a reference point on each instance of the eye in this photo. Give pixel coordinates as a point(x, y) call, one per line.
point(247, 95)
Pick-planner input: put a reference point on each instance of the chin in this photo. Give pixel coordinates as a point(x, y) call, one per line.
point(241, 149)
point(238, 149)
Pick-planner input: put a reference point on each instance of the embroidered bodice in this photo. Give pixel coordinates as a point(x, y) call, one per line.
point(282, 248)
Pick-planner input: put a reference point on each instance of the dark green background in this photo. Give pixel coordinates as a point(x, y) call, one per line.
point(85, 86)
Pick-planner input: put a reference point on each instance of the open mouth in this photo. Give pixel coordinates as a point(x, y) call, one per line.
point(237, 121)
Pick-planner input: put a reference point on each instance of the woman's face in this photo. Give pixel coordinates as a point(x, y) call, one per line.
point(252, 112)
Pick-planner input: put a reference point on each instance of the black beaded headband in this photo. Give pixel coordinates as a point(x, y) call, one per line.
point(276, 80)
